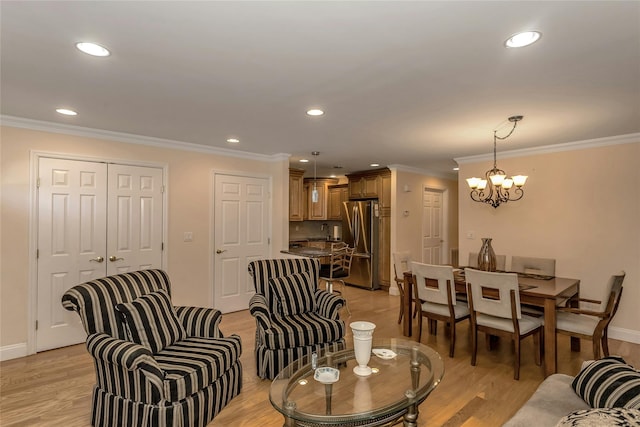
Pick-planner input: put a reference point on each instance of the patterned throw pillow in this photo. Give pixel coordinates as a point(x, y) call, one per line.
point(294, 294)
point(151, 321)
point(600, 417)
point(608, 383)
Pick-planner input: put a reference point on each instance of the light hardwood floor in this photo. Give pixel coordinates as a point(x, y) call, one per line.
point(53, 388)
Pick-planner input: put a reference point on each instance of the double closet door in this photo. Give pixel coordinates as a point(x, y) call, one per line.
point(94, 219)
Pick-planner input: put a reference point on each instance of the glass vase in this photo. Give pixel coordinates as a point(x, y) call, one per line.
point(486, 256)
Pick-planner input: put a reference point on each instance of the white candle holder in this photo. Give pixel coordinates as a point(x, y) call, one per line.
point(362, 342)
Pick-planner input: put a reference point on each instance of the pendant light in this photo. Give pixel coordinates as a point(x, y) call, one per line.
point(314, 192)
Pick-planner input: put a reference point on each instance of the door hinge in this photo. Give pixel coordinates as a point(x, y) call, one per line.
point(162, 246)
point(268, 240)
point(162, 189)
point(37, 253)
point(38, 182)
point(36, 325)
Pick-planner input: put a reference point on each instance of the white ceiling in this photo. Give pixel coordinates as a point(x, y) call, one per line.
point(405, 83)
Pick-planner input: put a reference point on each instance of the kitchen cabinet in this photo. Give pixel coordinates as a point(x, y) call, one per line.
point(318, 210)
point(337, 195)
point(296, 195)
point(368, 184)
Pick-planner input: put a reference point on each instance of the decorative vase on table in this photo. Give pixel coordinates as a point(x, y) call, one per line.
point(362, 343)
point(486, 256)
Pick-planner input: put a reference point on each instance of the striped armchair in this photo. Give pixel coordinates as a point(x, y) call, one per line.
point(156, 365)
point(293, 317)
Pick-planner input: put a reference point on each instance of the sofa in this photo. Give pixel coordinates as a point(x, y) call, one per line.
point(156, 365)
point(605, 392)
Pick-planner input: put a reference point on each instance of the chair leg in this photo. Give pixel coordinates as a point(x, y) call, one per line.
point(516, 362)
point(401, 310)
point(474, 345)
point(420, 328)
point(605, 343)
point(452, 345)
point(346, 303)
point(596, 348)
point(536, 342)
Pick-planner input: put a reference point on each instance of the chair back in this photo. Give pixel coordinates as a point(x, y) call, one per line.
point(530, 265)
point(95, 300)
point(615, 294)
point(401, 264)
point(264, 269)
point(501, 261)
point(340, 264)
point(431, 283)
point(491, 292)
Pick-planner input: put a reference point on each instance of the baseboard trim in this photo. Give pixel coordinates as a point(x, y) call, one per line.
point(13, 351)
point(623, 334)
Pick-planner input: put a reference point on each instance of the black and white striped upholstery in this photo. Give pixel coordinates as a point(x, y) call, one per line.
point(185, 383)
point(281, 339)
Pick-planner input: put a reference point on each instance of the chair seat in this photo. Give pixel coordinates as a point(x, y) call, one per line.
point(192, 364)
point(461, 309)
point(302, 330)
point(527, 324)
point(325, 274)
point(576, 323)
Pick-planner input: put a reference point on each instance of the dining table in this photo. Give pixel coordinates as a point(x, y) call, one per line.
point(536, 290)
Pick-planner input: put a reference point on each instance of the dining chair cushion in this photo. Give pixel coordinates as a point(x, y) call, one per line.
point(293, 294)
point(461, 309)
point(151, 321)
point(577, 323)
point(526, 323)
point(608, 383)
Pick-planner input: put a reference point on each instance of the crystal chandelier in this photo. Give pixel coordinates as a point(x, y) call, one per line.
point(494, 189)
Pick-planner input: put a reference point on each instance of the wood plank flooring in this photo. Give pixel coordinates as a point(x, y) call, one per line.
point(53, 388)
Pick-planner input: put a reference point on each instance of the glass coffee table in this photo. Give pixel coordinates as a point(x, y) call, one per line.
point(404, 373)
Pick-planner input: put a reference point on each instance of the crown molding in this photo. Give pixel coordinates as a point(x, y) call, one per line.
point(419, 171)
point(38, 125)
point(557, 148)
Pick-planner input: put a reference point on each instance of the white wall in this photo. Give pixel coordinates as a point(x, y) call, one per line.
point(189, 209)
point(581, 207)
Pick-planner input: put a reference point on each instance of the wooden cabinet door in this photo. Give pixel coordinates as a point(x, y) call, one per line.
point(337, 195)
point(317, 210)
point(296, 194)
point(370, 186)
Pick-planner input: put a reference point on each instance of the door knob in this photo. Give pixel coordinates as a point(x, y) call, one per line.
point(98, 259)
point(113, 258)
point(219, 251)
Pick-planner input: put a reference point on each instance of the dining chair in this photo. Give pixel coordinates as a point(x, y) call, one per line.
point(494, 304)
point(401, 264)
point(531, 265)
point(501, 261)
point(338, 270)
point(435, 298)
point(592, 324)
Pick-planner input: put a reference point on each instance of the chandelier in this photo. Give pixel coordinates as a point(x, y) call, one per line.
point(495, 188)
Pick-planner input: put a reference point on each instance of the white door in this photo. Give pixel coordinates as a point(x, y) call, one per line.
point(432, 239)
point(89, 212)
point(72, 218)
point(135, 219)
point(241, 224)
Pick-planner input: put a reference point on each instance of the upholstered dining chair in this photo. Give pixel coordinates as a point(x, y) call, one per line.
point(435, 295)
point(501, 261)
point(494, 303)
point(338, 270)
point(294, 318)
point(531, 265)
point(401, 264)
point(592, 324)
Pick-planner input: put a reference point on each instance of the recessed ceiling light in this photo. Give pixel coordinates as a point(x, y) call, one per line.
point(523, 39)
point(93, 49)
point(304, 160)
point(233, 140)
point(456, 169)
point(315, 112)
point(66, 112)
point(374, 165)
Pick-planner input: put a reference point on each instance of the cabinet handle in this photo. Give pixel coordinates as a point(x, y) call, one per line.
point(113, 258)
point(98, 259)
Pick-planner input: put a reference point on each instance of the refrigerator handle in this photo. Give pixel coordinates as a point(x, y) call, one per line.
point(356, 226)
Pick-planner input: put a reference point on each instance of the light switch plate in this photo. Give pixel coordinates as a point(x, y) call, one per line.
point(188, 236)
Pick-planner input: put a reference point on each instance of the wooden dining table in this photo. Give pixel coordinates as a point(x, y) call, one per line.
point(543, 293)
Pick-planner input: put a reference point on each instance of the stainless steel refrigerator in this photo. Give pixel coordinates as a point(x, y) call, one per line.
point(360, 222)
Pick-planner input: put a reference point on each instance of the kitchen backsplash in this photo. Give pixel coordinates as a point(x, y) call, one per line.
point(312, 229)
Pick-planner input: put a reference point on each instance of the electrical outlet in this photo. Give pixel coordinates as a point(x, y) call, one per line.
point(188, 236)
